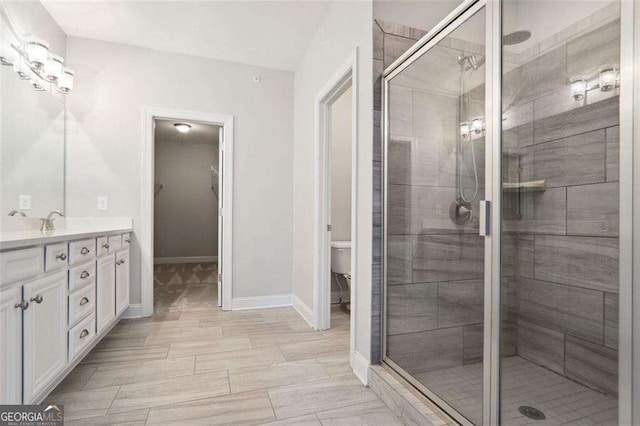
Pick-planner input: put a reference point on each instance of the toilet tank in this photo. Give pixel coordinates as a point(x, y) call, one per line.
point(341, 257)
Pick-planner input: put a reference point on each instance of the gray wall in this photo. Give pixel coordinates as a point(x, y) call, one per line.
point(186, 209)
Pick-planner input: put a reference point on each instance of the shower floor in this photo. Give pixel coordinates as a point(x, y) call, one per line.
point(563, 401)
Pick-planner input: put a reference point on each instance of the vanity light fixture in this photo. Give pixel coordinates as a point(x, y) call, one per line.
point(608, 79)
point(465, 130)
point(182, 127)
point(477, 127)
point(53, 68)
point(578, 89)
point(65, 82)
point(37, 53)
point(31, 60)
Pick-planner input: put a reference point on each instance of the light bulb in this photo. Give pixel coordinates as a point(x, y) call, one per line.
point(65, 82)
point(22, 75)
point(578, 89)
point(608, 78)
point(53, 69)
point(37, 53)
point(465, 130)
point(182, 127)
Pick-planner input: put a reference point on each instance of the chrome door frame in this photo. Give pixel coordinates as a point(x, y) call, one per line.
point(491, 369)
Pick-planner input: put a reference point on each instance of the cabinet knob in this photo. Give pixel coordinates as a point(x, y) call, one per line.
point(84, 275)
point(22, 305)
point(84, 333)
point(128, 240)
point(106, 245)
point(84, 250)
point(84, 301)
point(38, 299)
point(61, 256)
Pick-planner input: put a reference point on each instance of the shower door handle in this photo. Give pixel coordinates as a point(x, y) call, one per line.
point(485, 218)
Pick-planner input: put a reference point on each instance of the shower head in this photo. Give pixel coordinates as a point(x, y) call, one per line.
point(516, 37)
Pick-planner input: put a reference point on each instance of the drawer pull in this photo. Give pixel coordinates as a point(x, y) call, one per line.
point(84, 250)
point(128, 240)
point(38, 299)
point(84, 301)
point(22, 305)
point(61, 256)
point(120, 262)
point(85, 275)
point(106, 245)
point(84, 333)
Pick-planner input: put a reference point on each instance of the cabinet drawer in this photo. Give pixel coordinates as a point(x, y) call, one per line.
point(19, 265)
point(102, 247)
point(126, 240)
point(55, 256)
point(81, 275)
point(115, 243)
point(81, 336)
point(80, 251)
point(82, 303)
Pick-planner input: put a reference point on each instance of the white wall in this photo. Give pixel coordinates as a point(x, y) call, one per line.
point(186, 209)
point(347, 26)
point(341, 167)
point(104, 154)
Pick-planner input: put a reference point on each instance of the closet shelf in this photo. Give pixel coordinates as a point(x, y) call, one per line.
point(531, 186)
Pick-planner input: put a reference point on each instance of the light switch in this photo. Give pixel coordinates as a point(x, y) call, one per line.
point(24, 202)
point(103, 204)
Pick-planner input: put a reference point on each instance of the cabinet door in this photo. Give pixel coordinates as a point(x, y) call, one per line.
point(122, 281)
point(45, 333)
point(105, 291)
point(11, 345)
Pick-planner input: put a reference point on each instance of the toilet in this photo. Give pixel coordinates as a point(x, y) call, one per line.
point(341, 261)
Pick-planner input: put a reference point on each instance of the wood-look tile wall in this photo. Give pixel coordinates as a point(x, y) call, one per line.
point(567, 236)
point(560, 257)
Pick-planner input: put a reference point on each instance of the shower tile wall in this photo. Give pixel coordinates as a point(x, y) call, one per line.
point(566, 236)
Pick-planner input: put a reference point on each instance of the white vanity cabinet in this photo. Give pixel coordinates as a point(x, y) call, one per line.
point(122, 281)
point(106, 291)
point(58, 298)
point(44, 332)
point(11, 345)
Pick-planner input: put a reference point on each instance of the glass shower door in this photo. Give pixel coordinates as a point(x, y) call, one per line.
point(560, 221)
point(434, 172)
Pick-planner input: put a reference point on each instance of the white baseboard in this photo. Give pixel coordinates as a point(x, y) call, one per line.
point(361, 368)
point(189, 259)
point(304, 311)
point(260, 302)
point(134, 311)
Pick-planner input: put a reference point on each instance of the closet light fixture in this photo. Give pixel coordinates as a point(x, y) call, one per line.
point(182, 127)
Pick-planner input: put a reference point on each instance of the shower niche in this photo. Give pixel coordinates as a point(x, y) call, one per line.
point(558, 223)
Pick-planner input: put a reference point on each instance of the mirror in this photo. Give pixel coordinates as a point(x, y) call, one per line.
point(32, 123)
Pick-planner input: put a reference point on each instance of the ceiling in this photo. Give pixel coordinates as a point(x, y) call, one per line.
point(272, 34)
point(199, 133)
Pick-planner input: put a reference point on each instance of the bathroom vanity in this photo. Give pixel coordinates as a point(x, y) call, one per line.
point(60, 294)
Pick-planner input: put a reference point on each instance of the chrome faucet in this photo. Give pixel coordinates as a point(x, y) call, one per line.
point(47, 224)
point(15, 212)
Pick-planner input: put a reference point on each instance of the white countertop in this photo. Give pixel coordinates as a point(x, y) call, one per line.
point(21, 234)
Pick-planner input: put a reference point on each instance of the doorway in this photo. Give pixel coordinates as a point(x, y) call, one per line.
point(186, 202)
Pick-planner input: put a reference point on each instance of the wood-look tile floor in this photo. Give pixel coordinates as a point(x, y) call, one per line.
point(192, 363)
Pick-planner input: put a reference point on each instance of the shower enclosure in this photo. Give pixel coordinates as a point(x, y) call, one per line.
point(503, 278)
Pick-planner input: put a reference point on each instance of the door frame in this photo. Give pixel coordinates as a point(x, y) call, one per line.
point(145, 236)
point(346, 76)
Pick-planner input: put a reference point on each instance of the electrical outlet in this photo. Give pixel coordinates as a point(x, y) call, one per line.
point(103, 204)
point(24, 202)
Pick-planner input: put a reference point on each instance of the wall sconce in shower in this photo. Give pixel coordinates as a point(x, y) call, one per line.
point(608, 79)
point(32, 60)
point(578, 89)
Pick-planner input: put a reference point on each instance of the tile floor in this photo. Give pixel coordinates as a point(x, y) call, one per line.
point(193, 363)
point(563, 401)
